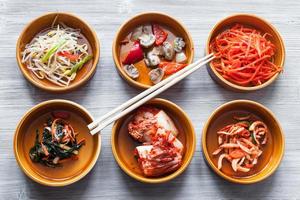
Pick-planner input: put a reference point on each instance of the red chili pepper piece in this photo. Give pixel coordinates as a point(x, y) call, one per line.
point(171, 67)
point(135, 54)
point(67, 54)
point(159, 33)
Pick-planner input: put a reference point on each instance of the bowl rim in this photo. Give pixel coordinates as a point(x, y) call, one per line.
point(161, 179)
point(235, 86)
point(114, 46)
point(54, 89)
point(49, 182)
point(206, 154)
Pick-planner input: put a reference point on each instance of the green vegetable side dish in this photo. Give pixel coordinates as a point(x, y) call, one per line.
point(58, 144)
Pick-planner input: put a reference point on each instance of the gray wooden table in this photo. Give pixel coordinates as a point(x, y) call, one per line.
point(198, 95)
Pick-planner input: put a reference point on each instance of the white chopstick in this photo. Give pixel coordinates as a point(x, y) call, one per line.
point(146, 92)
point(137, 101)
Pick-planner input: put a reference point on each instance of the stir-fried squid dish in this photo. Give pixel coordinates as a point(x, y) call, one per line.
point(58, 143)
point(150, 53)
point(161, 152)
point(244, 56)
point(241, 143)
point(56, 55)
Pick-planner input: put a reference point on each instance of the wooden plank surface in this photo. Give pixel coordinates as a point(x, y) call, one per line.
point(198, 95)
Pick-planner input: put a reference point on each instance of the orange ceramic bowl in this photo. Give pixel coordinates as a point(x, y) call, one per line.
point(70, 171)
point(123, 144)
point(45, 21)
point(146, 18)
point(272, 156)
point(259, 24)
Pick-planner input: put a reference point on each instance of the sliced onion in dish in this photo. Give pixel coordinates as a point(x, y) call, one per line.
point(180, 57)
point(137, 32)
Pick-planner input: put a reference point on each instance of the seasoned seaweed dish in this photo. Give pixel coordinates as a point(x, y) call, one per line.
point(58, 143)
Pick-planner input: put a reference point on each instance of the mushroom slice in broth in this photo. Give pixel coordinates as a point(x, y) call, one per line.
point(179, 44)
point(152, 60)
point(132, 71)
point(156, 75)
point(147, 40)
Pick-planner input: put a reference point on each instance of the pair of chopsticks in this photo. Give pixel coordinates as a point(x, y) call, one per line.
point(145, 96)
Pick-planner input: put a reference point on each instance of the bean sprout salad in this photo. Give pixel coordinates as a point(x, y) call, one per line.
point(56, 55)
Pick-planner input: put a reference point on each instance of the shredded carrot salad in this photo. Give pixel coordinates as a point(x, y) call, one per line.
point(244, 56)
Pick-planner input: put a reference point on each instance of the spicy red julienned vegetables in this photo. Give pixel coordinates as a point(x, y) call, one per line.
point(244, 56)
